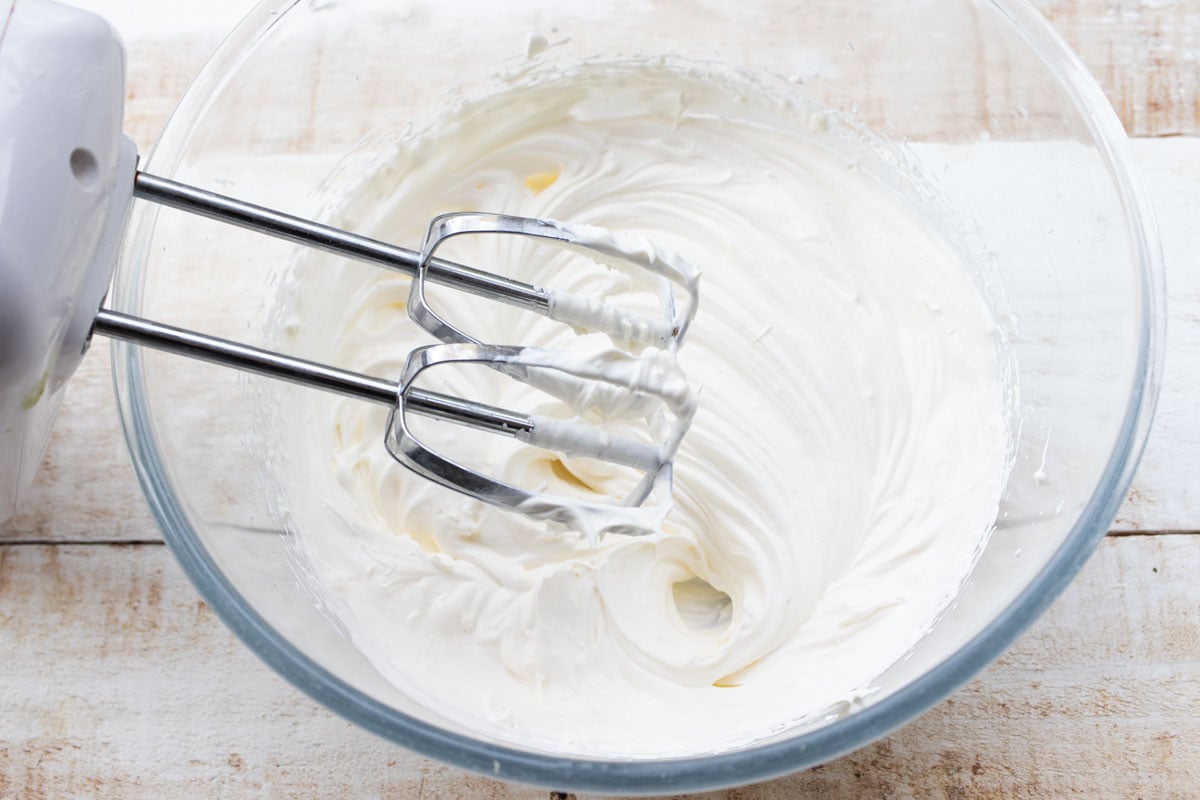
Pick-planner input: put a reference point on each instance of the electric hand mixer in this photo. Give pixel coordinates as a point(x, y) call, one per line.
point(70, 177)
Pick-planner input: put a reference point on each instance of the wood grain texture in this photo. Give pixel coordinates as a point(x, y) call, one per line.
point(1146, 55)
point(120, 683)
point(1165, 496)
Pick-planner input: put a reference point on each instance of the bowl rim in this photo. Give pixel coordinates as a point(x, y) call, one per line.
point(693, 773)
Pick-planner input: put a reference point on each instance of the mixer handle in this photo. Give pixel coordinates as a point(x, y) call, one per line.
point(66, 169)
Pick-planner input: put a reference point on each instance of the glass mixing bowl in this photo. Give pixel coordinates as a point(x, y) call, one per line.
point(987, 103)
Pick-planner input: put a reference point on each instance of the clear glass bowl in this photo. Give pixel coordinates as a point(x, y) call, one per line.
point(1016, 135)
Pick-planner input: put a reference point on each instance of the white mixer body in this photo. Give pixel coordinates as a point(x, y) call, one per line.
point(66, 172)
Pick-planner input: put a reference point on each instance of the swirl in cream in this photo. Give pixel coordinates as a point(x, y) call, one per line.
point(841, 474)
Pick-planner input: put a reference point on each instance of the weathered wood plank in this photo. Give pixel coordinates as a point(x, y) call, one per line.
point(1145, 54)
point(1165, 495)
point(119, 682)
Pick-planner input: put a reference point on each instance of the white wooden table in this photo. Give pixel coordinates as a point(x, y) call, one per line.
point(119, 682)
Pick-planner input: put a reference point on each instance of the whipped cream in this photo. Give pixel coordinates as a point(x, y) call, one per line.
point(842, 471)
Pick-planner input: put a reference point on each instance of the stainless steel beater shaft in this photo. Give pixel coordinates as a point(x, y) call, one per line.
point(335, 240)
point(401, 395)
point(308, 373)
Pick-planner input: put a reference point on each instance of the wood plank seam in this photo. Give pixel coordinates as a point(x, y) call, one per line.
point(77, 542)
point(32, 542)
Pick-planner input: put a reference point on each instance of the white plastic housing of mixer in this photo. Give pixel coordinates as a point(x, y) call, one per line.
point(63, 97)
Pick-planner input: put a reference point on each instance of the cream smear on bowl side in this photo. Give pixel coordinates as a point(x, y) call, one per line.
point(841, 475)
